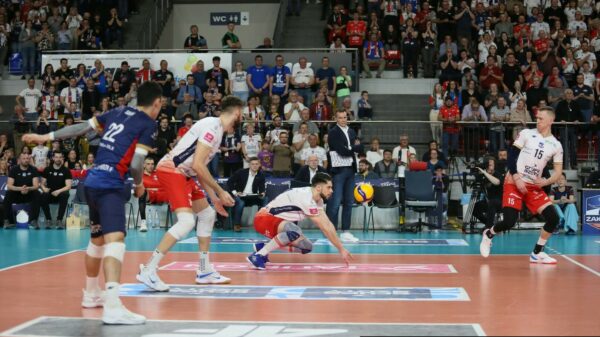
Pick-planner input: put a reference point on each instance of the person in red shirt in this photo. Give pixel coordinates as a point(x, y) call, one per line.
point(541, 44)
point(188, 121)
point(356, 30)
point(491, 74)
point(449, 114)
point(320, 110)
point(532, 72)
point(522, 29)
point(145, 74)
point(154, 193)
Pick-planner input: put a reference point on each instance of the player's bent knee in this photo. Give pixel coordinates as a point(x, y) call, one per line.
point(185, 224)
point(307, 247)
point(206, 222)
point(552, 219)
point(292, 235)
point(115, 250)
point(94, 251)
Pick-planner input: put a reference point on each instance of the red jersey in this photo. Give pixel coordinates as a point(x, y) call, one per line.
point(541, 45)
point(183, 130)
point(485, 84)
point(450, 113)
point(356, 27)
point(144, 75)
point(155, 192)
point(524, 30)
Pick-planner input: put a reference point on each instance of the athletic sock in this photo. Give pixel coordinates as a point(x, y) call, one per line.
point(112, 295)
point(539, 247)
point(204, 264)
point(91, 284)
point(155, 259)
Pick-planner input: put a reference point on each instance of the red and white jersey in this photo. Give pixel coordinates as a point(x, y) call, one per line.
point(207, 131)
point(536, 152)
point(295, 205)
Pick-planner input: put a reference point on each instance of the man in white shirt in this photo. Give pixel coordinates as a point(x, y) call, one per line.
point(293, 108)
point(402, 152)
point(273, 135)
point(39, 154)
point(316, 150)
point(585, 55)
point(71, 94)
point(578, 23)
point(250, 144)
point(538, 26)
point(29, 100)
point(303, 77)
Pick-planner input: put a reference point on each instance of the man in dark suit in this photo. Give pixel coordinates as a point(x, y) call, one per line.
point(308, 171)
point(343, 146)
point(248, 189)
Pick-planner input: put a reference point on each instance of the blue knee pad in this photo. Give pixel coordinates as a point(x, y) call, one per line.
point(292, 235)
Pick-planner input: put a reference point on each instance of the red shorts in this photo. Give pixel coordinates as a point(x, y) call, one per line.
point(267, 224)
point(535, 198)
point(180, 190)
point(157, 197)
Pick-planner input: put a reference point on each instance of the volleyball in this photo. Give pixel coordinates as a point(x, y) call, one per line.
point(363, 193)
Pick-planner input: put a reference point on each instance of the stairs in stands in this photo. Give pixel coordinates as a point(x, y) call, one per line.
point(306, 30)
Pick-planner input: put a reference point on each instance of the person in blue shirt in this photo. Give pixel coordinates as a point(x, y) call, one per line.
point(279, 83)
point(325, 76)
point(127, 136)
point(258, 77)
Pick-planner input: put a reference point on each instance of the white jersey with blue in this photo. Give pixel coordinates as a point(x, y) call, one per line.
point(124, 131)
point(295, 205)
point(207, 131)
point(536, 152)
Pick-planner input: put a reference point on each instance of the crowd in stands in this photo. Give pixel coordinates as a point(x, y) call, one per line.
point(30, 27)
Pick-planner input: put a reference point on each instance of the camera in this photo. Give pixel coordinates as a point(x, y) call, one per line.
point(475, 166)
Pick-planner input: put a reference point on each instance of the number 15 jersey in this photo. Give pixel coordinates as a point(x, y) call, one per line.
point(536, 152)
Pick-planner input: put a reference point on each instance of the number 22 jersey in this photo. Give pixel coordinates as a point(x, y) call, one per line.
point(536, 152)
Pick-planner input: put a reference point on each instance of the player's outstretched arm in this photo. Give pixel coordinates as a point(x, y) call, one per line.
point(330, 233)
point(66, 132)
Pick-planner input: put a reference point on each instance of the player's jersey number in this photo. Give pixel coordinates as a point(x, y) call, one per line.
point(113, 130)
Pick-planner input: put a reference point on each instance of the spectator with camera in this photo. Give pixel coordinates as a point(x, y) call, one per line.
point(489, 181)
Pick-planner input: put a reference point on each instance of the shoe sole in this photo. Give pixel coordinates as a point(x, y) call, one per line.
point(137, 277)
point(226, 282)
point(536, 262)
point(253, 266)
point(91, 306)
point(121, 322)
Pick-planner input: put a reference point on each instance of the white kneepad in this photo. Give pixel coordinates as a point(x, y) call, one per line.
point(115, 250)
point(206, 222)
point(94, 251)
point(184, 225)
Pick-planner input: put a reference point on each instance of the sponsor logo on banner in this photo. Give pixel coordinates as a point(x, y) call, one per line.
point(300, 293)
point(592, 211)
point(180, 64)
point(74, 326)
point(325, 242)
point(323, 268)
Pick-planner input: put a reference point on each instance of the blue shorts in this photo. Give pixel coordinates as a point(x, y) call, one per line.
point(107, 211)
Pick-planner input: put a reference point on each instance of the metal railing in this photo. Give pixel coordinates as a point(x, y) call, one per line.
point(157, 18)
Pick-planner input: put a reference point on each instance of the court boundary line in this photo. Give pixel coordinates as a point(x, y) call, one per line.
point(575, 262)
point(476, 326)
point(39, 260)
point(357, 254)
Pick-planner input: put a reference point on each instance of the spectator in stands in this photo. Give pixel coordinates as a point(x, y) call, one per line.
point(266, 158)
point(28, 49)
point(365, 171)
point(375, 153)
point(314, 149)
point(402, 152)
point(387, 167)
point(194, 41)
point(536, 93)
point(428, 53)
point(87, 38)
point(188, 99)
point(556, 85)
point(22, 187)
point(125, 76)
point(433, 145)
point(373, 53)
point(434, 161)
point(449, 67)
point(282, 156)
point(516, 95)
point(253, 111)
point(71, 94)
point(213, 92)
point(21, 126)
point(472, 134)
point(248, 188)
point(165, 78)
point(47, 78)
point(188, 121)
point(44, 40)
point(114, 92)
point(448, 44)
point(568, 110)
point(305, 119)
point(293, 108)
point(145, 73)
point(3, 172)
point(29, 100)
point(436, 101)
point(449, 114)
point(4, 143)
point(391, 38)
point(320, 110)
point(499, 113)
point(584, 96)
point(337, 46)
point(100, 77)
point(356, 30)
point(220, 75)
point(238, 86)
point(563, 198)
point(42, 126)
point(279, 83)
point(81, 76)
point(300, 142)
point(410, 53)
point(165, 137)
point(343, 86)
point(230, 40)
point(56, 184)
point(521, 115)
point(490, 74)
point(258, 78)
point(336, 25)
point(114, 28)
point(365, 110)
point(309, 170)
point(90, 100)
point(62, 75)
point(275, 130)
point(267, 44)
point(73, 21)
point(303, 77)
point(231, 148)
point(131, 97)
point(250, 144)
point(64, 37)
point(154, 193)
point(39, 157)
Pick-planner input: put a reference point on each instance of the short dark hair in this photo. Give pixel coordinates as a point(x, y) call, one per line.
point(363, 92)
point(124, 63)
point(387, 151)
point(186, 116)
point(253, 159)
point(320, 178)
point(258, 57)
point(216, 58)
point(148, 92)
point(230, 102)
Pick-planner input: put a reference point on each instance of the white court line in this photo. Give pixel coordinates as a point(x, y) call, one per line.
point(39, 260)
point(595, 272)
point(478, 329)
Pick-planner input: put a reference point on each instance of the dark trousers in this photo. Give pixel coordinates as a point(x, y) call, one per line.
point(485, 211)
point(568, 140)
point(472, 138)
point(142, 205)
point(242, 202)
point(343, 194)
point(410, 63)
point(13, 197)
point(62, 200)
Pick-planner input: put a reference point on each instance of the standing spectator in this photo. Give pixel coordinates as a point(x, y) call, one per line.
point(472, 136)
point(145, 74)
point(365, 110)
point(28, 49)
point(410, 53)
point(188, 99)
point(343, 86)
point(125, 76)
point(248, 188)
point(71, 94)
point(250, 144)
point(373, 53)
point(100, 77)
point(568, 110)
point(29, 100)
point(535, 94)
point(64, 37)
point(62, 75)
point(220, 75)
point(491, 74)
point(499, 113)
point(22, 187)
point(521, 115)
point(238, 86)
point(279, 82)
point(73, 21)
point(114, 29)
point(584, 96)
point(258, 78)
point(90, 100)
point(343, 146)
point(321, 110)
point(336, 25)
point(195, 42)
point(231, 147)
point(428, 51)
point(165, 137)
point(45, 42)
point(165, 78)
point(449, 114)
point(266, 157)
point(230, 40)
point(325, 77)
point(303, 77)
point(512, 73)
point(56, 184)
point(436, 101)
point(387, 167)
point(449, 67)
point(276, 130)
point(282, 156)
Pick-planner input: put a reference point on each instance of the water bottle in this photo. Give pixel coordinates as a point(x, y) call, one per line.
point(155, 219)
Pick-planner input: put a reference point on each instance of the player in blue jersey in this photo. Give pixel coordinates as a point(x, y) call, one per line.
point(127, 136)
